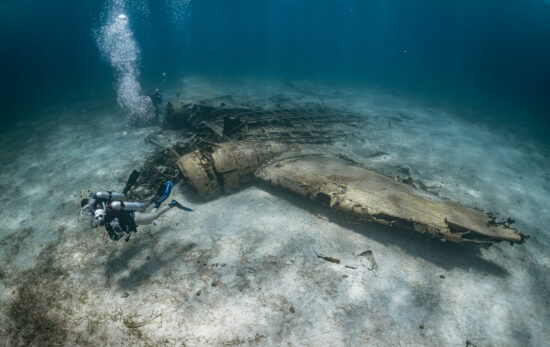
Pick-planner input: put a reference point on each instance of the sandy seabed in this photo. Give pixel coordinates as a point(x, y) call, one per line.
point(242, 269)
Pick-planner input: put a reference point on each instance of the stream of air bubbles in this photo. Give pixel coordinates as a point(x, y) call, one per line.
point(118, 46)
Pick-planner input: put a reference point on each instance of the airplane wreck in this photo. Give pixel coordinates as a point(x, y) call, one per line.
point(225, 145)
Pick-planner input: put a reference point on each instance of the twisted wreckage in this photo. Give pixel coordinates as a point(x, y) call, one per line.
point(227, 145)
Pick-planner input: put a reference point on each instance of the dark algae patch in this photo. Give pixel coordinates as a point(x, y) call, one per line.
point(34, 316)
point(14, 242)
point(31, 320)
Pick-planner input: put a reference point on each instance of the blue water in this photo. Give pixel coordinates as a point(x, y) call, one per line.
point(491, 56)
point(72, 70)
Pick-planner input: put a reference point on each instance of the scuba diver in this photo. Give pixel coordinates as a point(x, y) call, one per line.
point(120, 217)
point(156, 99)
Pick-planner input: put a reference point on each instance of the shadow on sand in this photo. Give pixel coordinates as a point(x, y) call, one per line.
point(444, 254)
point(120, 260)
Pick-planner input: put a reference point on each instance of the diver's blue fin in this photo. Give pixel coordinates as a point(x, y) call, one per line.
point(174, 203)
point(165, 195)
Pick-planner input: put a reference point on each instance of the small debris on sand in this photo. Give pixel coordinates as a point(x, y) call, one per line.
point(332, 260)
point(324, 257)
point(370, 258)
point(132, 324)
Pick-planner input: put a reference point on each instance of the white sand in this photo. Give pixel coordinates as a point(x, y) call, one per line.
point(251, 255)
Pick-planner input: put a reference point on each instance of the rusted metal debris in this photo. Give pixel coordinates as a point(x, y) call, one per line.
point(227, 145)
point(224, 121)
point(158, 168)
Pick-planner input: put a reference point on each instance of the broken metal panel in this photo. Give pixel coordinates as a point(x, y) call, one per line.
point(227, 166)
point(362, 193)
point(220, 120)
point(196, 167)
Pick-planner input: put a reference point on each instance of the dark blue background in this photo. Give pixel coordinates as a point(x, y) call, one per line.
point(490, 55)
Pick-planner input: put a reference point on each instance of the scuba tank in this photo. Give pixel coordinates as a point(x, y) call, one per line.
point(127, 206)
point(89, 204)
point(110, 196)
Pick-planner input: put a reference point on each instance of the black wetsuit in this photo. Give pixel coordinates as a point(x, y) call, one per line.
point(119, 223)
